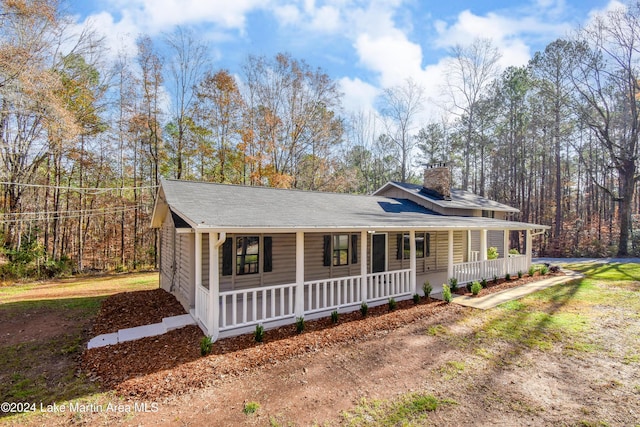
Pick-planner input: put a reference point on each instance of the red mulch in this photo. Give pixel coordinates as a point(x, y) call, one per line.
point(130, 309)
point(171, 364)
point(502, 284)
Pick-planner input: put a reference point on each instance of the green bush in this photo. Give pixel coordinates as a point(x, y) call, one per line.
point(483, 282)
point(334, 316)
point(544, 270)
point(206, 344)
point(426, 289)
point(514, 251)
point(532, 270)
point(453, 284)
point(299, 324)
point(416, 298)
point(475, 288)
point(519, 274)
point(259, 333)
point(364, 309)
point(392, 304)
point(250, 408)
point(495, 279)
point(446, 293)
point(507, 277)
point(492, 253)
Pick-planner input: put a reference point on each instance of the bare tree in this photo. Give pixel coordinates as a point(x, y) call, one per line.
point(400, 108)
point(606, 79)
point(186, 67)
point(472, 68)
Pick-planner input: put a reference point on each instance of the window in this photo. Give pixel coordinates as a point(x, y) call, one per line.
point(340, 249)
point(422, 246)
point(488, 214)
point(247, 255)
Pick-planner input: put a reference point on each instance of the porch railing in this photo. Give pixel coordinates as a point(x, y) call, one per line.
point(388, 284)
point(255, 305)
point(202, 303)
point(331, 293)
point(477, 270)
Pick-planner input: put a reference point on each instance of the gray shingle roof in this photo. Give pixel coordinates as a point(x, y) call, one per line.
point(460, 199)
point(230, 207)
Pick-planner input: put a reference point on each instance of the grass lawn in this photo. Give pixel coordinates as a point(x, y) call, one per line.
point(44, 328)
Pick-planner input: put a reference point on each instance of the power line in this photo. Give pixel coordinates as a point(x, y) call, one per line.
point(95, 212)
point(95, 190)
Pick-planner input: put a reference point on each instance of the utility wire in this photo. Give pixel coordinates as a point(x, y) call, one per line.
point(94, 190)
point(96, 213)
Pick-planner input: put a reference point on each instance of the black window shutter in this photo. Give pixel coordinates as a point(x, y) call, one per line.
point(327, 251)
point(427, 244)
point(268, 255)
point(400, 249)
point(354, 249)
point(227, 257)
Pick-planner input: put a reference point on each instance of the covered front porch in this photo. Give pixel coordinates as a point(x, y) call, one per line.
point(234, 312)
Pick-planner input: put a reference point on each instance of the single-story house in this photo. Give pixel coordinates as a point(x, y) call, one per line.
point(238, 256)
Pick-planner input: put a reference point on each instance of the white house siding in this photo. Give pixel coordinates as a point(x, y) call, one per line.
point(495, 238)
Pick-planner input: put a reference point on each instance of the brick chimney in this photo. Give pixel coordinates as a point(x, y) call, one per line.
point(437, 181)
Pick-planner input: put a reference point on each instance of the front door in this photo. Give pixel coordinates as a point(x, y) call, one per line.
point(379, 253)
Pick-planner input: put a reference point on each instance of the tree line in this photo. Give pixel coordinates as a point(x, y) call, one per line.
point(85, 141)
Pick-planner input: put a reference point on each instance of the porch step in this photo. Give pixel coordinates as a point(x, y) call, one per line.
point(130, 334)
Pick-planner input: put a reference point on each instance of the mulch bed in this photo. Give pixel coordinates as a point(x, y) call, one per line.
point(130, 309)
point(171, 364)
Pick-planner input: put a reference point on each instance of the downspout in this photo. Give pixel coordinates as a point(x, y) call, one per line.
point(213, 322)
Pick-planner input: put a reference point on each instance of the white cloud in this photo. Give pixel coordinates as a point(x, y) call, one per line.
point(358, 95)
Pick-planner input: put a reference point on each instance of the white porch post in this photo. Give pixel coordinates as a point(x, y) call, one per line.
point(412, 262)
point(213, 323)
point(299, 306)
point(198, 272)
point(363, 265)
point(506, 248)
point(450, 256)
point(483, 252)
point(529, 248)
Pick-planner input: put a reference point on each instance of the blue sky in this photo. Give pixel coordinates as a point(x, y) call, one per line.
point(365, 45)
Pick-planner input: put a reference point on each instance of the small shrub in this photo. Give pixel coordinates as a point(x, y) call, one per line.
point(483, 283)
point(364, 309)
point(544, 270)
point(532, 270)
point(492, 253)
point(495, 279)
point(426, 289)
point(392, 304)
point(206, 344)
point(519, 274)
point(416, 298)
point(299, 324)
point(334, 316)
point(514, 251)
point(446, 293)
point(250, 408)
point(259, 333)
point(507, 277)
point(453, 284)
point(475, 288)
